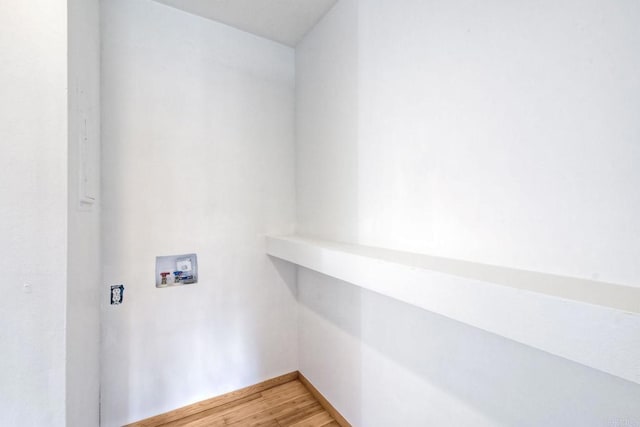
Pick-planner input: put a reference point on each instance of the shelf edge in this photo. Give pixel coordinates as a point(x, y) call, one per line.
point(600, 337)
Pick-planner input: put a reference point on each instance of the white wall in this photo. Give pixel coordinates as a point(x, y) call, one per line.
point(495, 132)
point(33, 208)
point(327, 126)
point(503, 133)
point(198, 124)
point(84, 267)
point(401, 365)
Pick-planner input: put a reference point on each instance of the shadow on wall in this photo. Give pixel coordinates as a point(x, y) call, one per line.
point(329, 318)
point(287, 273)
point(392, 348)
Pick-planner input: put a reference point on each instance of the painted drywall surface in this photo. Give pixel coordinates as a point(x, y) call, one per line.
point(284, 21)
point(327, 126)
point(197, 136)
point(84, 271)
point(33, 190)
point(401, 365)
point(501, 134)
point(504, 134)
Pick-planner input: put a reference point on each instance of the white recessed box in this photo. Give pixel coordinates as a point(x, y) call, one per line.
point(176, 270)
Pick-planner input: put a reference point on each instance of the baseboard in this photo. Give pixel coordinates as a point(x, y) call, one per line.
point(195, 408)
point(323, 401)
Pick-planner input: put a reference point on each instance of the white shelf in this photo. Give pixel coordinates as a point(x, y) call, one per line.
point(593, 323)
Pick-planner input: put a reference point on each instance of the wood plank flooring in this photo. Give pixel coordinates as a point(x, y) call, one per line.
point(285, 405)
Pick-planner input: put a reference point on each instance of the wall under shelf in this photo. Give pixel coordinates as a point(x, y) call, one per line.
point(593, 323)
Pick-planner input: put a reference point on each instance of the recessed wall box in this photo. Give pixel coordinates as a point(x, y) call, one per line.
point(176, 270)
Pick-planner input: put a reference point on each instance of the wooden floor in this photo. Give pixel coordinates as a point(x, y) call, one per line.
point(287, 405)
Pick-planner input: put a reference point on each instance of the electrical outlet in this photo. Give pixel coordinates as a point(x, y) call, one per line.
point(117, 294)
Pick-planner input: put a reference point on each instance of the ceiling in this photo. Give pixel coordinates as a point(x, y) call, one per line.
point(284, 21)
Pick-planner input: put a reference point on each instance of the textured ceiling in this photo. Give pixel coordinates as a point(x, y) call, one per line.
point(284, 21)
